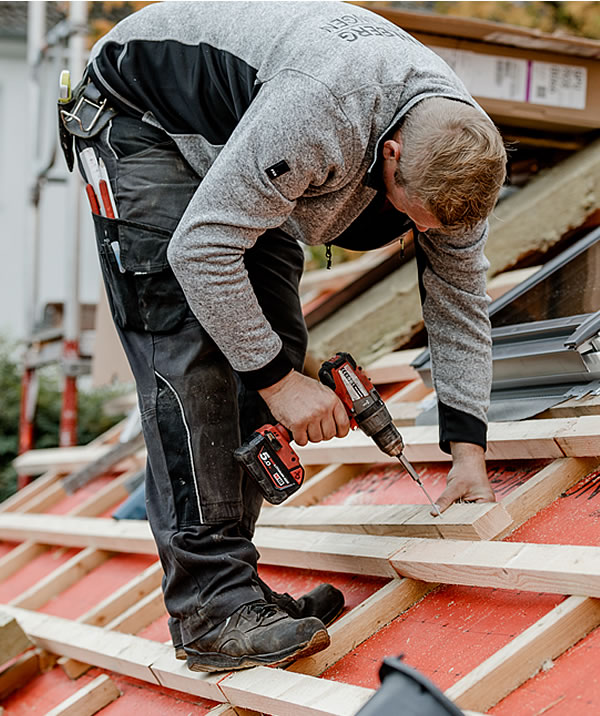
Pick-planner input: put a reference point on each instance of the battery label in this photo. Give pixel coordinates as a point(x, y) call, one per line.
point(355, 389)
point(277, 477)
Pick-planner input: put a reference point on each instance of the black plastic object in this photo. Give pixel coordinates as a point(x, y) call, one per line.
point(406, 692)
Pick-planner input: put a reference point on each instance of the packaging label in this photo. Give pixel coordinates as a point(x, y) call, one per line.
point(508, 78)
point(488, 75)
point(558, 85)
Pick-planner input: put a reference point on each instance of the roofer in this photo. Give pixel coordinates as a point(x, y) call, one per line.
point(228, 132)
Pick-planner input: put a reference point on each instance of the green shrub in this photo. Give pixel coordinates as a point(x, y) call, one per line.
point(92, 419)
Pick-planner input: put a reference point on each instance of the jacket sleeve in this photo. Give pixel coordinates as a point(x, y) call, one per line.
point(455, 310)
point(296, 126)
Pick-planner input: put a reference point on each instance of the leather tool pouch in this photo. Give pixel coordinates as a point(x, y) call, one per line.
point(85, 115)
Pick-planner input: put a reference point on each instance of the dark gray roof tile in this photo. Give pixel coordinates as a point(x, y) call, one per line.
point(13, 18)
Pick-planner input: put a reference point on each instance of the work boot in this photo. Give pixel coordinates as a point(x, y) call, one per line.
point(256, 634)
point(324, 602)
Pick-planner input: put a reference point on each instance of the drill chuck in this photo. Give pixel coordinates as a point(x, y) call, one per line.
point(389, 440)
point(376, 422)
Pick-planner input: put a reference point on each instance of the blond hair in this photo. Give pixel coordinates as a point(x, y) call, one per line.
point(453, 161)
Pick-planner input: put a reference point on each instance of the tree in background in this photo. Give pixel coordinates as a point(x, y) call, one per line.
point(92, 419)
point(104, 15)
point(571, 18)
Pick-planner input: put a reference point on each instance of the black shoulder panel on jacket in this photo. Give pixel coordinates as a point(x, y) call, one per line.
point(190, 89)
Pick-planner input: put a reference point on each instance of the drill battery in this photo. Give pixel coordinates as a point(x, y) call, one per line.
point(272, 462)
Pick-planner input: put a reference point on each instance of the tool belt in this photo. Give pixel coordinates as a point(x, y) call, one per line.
point(84, 116)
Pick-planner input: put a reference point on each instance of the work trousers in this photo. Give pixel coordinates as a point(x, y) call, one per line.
point(195, 411)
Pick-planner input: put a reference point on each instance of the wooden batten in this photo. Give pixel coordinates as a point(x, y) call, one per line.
point(544, 487)
point(277, 691)
point(121, 653)
point(13, 640)
point(65, 460)
point(19, 556)
point(140, 615)
point(88, 700)
point(19, 673)
point(327, 551)
point(61, 578)
point(552, 438)
point(460, 521)
point(19, 501)
point(100, 533)
point(522, 657)
point(556, 569)
point(527, 439)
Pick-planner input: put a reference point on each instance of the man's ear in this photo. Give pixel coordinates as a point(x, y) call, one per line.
point(392, 149)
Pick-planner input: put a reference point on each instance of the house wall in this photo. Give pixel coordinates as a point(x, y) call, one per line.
point(15, 181)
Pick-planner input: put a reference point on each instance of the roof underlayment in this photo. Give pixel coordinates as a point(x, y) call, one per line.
point(496, 604)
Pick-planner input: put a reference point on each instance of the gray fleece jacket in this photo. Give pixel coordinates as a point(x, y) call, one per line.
point(283, 107)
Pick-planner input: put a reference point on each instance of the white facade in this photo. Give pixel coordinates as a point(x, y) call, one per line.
point(16, 177)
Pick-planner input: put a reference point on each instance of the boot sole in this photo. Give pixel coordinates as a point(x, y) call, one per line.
point(221, 662)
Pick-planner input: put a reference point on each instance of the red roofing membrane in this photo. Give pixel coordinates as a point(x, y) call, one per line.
point(448, 633)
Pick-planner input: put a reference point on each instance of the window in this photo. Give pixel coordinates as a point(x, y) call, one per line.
point(546, 334)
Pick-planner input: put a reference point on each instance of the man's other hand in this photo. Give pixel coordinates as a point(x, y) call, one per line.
point(310, 410)
point(467, 480)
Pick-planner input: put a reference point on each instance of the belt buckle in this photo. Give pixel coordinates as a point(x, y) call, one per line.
point(70, 116)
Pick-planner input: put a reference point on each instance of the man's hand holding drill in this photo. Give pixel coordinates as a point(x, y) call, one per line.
point(311, 411)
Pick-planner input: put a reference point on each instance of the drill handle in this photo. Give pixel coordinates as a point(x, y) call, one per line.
point(330, 367)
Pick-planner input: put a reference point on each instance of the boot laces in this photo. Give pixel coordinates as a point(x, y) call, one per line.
point(262, 610)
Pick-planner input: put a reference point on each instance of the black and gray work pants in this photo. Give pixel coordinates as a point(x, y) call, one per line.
point(201, 508)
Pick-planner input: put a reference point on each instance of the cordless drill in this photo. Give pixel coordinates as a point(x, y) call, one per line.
point(269, 458)
point(366, 409)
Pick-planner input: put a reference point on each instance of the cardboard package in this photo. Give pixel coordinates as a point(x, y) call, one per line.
point(520, 77)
